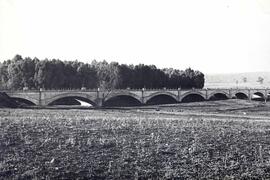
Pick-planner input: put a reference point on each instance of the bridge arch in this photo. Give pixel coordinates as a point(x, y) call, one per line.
point(168, 98)
point(267, 95)
point(240, 95)
point(121, 101)
point(193, 96)
point(122, 98)
point(122, 93)
point(89, 99)
point(25, 99)
point(216, 95)
point(259, 96)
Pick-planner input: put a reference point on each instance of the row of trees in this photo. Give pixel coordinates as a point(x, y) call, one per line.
point(56, 74)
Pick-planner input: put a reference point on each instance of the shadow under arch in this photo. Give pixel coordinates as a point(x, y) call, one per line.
point(161, 99)
point(121, 101)
point(71, 100)
point(257, 96)
point(241, 95)
point(193, 97)
point(23, 101)
point(218, 96)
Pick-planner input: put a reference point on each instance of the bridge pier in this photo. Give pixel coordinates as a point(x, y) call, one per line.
point(249, 95)
point(99, 102)
point(178, 95)
point(206, 94)
point(39, 97)
point(142, 98)
point(230, 93)
point(265, 95)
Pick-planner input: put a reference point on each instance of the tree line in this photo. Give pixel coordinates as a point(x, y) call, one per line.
point(19, 72)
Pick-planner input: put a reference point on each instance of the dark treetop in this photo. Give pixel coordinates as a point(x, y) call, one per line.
point(56, 74)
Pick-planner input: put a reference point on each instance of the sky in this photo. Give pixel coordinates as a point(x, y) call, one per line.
point(213, 36)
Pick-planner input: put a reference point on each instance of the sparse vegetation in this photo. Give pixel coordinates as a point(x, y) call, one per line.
point(174, 142)
point(228, 80)
point(244, 79)
point(260, 80)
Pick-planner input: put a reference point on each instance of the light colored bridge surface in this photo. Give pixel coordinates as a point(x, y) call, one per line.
point(98, 97)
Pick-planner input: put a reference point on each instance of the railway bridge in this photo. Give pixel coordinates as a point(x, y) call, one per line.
point(100, 98)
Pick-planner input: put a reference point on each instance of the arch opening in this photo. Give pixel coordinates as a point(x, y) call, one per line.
point(257, 96)
point(122, 100)
point(218, 96)
point(161, 99)
point(241, 95)
point(23, 102)
point(193, 98)
point(72, 101)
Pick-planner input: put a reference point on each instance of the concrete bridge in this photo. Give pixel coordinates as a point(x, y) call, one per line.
point(143, 96)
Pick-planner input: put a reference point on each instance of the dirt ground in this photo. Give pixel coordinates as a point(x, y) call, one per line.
point(230, 107)
point(206, 140)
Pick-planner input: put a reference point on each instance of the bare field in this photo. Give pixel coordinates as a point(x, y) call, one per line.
point(207, 140)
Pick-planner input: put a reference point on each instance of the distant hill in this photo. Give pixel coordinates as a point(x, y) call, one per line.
point(237, 80)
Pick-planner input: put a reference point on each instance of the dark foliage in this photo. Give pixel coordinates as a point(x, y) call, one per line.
point(56, 74)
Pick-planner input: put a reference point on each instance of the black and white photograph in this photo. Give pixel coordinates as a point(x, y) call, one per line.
point(134, 89)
